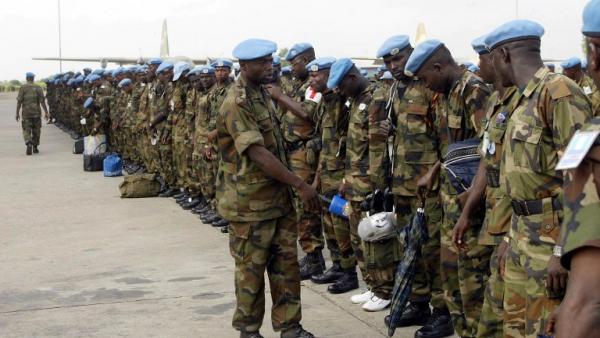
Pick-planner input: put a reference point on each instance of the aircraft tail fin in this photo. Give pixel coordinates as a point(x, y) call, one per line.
point(164, 41)
point(421, 33)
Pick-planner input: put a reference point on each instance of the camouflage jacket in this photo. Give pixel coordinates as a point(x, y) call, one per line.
point(215, 100)
point(367, 161)
point(547, 113)
point(202, 119)
point(415, 140)
point(142, 117)
point(334, 127)
point(591, 90)
point(30, 97)
point(294, 128)
point(580, 227)
point(244, 192)
point(177, 118)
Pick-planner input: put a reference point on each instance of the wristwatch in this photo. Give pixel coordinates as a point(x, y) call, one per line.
point(557, 251)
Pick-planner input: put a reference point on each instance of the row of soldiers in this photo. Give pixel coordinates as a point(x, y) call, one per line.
point(261, 150)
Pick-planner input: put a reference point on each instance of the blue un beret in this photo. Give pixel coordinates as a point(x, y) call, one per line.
point(386, 76)
point(338, 72)
point(179, 68)
point(142, 69)
point(276, 60)
point(124, 83)
point(164, 66)
point(382, 68)
point(473, 68)
point(93, 77)
point(571, 62)
point(297, 49)
point(155, 61)
point(204, 69)
point(584, 63)
point(479, 45)
point(320, 64)
point(513, 31)
point(286, 70)
point(29, 74)
point(88, 102)
point(252, 49)
point(420, 55)
point(98, 71)
point(222, 63)
point(117, 71)
point(393, 45)
point(364, 72)
point(591, 19)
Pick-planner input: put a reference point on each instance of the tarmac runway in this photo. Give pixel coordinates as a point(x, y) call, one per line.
point(76, 260)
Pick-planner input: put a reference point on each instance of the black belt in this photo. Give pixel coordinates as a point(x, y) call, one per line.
point(493, 178)
point(293, 146)
point(534, 207)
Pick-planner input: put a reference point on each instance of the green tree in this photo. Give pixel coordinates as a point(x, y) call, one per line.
point(14, 82)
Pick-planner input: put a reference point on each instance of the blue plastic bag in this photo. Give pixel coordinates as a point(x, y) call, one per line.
point(113, 166)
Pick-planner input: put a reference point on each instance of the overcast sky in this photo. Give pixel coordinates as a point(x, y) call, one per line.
point(197, 28)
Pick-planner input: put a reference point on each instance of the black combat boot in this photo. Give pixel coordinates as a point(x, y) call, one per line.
point(415, 313)
point(439, 325)
point(296, 332)
point(245, 334)
point(331, 275)
point(35, 149)
point(312, 264)
point(180, 194)
point(191, 204)
point(222, 223)
point(348, 282)
point(28, 150)
point(168, 192)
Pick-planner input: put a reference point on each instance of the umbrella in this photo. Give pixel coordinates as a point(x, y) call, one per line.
point(412, 235)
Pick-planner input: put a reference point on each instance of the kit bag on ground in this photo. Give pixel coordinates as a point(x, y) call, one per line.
point(139, 185)
point(94, 161)
point(113, 166)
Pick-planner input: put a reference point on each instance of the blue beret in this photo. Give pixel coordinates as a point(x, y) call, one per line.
point(93, 77)
point(387, 76)
point(297, 49)
point(254, 49)
point(179, 68)
point(473, 68)
point(382, 68)
point(276, 60)
point(130, 69)
point(29, 74)
point(513, 31)
point(571, 62)
point(420, 55)
point(80, 78)
point(286, 70)
point(98, 71)
point(479, 45)
point(222, 63)
point(320, 64)
point(393, 45)
point(364, 72)
point(338, 72)
point(117, 71)
point(155, 61)
point(591, 19)
point(124, 82)
point(204, 69)
point(107, 72)
point(70, 82)
point(164, 66)
point(88, 102)
point(584, 63)
point(141, 69)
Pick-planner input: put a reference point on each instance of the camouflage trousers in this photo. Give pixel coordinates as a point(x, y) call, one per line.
point(464, 274)
point(527, 304)
point(310, 230)
point(492, 310)
point(377, 261)
point(266, 245)
point(152, 156)
point(180, 161)
point(32, 127)
point(166, 164)
point(208, 177)
point(427, 284)
point(336, 229)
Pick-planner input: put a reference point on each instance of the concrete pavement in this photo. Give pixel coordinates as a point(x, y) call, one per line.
point(78, 261)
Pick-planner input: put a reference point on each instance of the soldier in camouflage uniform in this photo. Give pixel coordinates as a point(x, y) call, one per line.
point(181, 126)
point(148, 150)
point(333, 129)
point(548, 109)
point(254, 195)
point(572, 68)
point(580, 233)
point(29, 100)
point(459, 115)
point(366, 169)
point(299, 127)
point(415, 152)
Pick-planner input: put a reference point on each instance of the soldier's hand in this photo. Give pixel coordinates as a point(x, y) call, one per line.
point(17, 117)
point(462, 199)
point(551, 321)
point(459, 232)
point(424, 185)
point(557, 276)
point(274, 91)
point(309, 197)
point(342, 189)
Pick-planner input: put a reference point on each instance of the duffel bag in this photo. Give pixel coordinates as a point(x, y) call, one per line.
point(113, 166)
point(78, 146)
point(461, 163)
point(139, 185)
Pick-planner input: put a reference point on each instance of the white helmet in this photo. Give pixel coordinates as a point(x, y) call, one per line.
point(377, 227)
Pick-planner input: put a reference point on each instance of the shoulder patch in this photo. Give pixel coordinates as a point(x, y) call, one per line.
point(558, 88)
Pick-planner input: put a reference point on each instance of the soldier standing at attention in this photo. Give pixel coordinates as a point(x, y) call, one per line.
point(573, 69)
point(254, 195)
point(548, 109)
point(30, 97)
